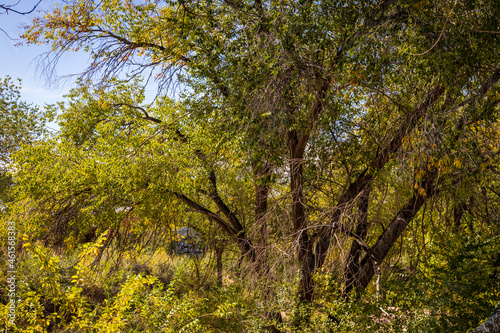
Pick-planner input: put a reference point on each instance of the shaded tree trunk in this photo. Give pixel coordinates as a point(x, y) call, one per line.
point(492, 324)
point(351, 273)
point(346, 199)
point(389, 237)
point(303, 240)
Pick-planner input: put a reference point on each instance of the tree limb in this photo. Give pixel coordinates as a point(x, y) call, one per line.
point(146, 115)
point(212, 216)
point(8, 8)
point(356, 187)
point(492, 324)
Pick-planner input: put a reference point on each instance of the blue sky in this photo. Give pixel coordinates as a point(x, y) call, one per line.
point(23, 62)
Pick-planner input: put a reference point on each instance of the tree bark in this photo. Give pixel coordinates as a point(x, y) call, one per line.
point(297, 142)
point(351, 274)
point(492, 324)
point(387, 239)
point(364, 179)
point(303, 240)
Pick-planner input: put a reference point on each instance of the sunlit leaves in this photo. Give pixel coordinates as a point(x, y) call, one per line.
point(398, 97)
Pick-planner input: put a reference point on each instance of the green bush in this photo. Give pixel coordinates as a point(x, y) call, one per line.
point(457, 285)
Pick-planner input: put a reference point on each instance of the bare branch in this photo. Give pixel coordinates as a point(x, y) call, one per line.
point(9, 8)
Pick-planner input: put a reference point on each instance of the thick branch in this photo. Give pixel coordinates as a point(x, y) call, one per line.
point(236, 6)
point(212, 216)
point(400, 222)
point(237, 227)
point(317, 109)
point(390, 235)
point(351, 273)
point(492, 324)
point(146, 115)
point(408, 212)
point(385, 154)
point(364, 179)
point(126, 41)
point(214, 195)
point(485, 87)
point(356, 239)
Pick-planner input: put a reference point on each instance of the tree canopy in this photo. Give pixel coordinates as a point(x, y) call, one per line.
point(21, 123)
point(334, 139)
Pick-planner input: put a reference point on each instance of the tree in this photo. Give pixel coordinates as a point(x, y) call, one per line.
point(21, 123)
point(339, 100)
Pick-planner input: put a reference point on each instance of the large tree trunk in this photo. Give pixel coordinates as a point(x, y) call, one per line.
point(297, 142)
point(492, 324)
point(303, 240)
